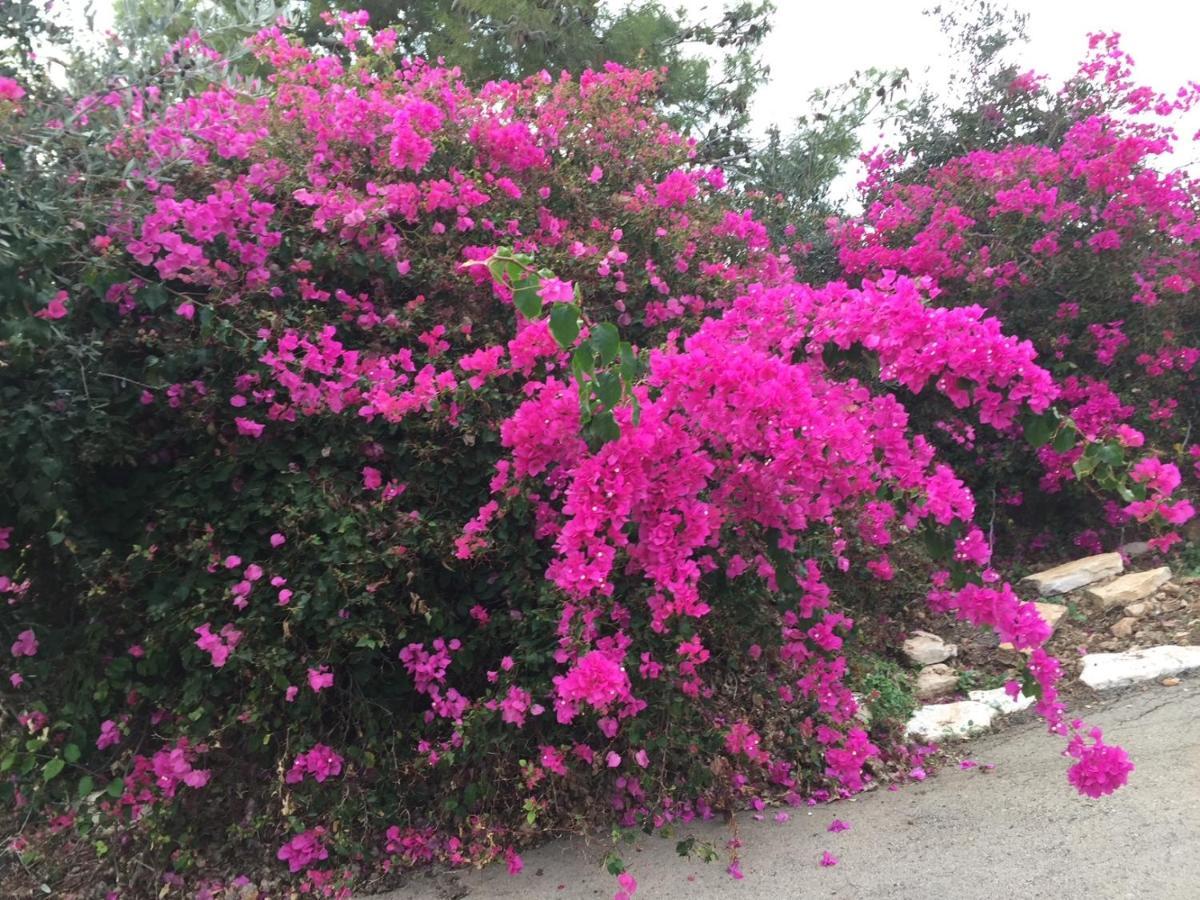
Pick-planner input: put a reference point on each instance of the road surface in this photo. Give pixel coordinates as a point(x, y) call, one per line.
point(1019, 831)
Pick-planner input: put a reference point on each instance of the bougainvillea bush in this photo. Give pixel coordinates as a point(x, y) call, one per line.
point(1075, 225)
point(399, 471)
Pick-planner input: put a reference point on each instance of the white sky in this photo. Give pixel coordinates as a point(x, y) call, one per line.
point(813, 45)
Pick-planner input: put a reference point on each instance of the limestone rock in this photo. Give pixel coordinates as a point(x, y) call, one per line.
point(1050, 613)
point(936, 681)
point(1076, 574)
point(999, 700)
point(1129, 588)
point(925, 649)
point(1124, 628)
point(1134, 549)
point(1139, 609)
point(1103, 671)
point(950, 721)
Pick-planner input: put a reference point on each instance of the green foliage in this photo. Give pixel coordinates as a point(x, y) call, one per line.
point(888, 691)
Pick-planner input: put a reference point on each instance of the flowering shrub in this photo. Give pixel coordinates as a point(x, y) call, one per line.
point(428, 461)
point(1074, 230)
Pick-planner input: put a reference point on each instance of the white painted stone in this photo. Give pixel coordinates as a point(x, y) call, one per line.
point(950, 721)
point(1069, 576)
point(999, 700)
point(1103, 671)
point(923, 649)
point(1129, 588)
point(936, 681)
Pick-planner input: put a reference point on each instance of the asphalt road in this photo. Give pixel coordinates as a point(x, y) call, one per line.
point(1018, 831)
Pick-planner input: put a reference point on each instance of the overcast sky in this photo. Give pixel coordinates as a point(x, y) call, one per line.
point(818, 44)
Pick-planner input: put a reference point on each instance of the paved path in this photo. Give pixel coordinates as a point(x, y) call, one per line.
point(1017, 832)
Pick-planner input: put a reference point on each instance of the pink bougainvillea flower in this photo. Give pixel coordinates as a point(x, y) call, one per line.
point(16, 680)
point(303, 850)
point(320, 762)
point(10, 90)
point(56, 308)
point(110, 735)
point(627, 886)
point(232, 562)
point(320, 678)
point(838, 825)
point(186, 309)
point(5, 537)
point(249, 427)
point(828, 859)
point(285, 597)
point(26, 644)
point(290, 694)
point(1101, 769)
point(515, 863)
point(219, 646)
point(372, 478)
point(278, 539)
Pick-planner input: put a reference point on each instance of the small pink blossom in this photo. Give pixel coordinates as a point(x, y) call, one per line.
point(26, 644)
point(249, 427)
point(838, 825)
point(515, 863)
point(320, 678)
point(56, 308)
point(303, 849)
point(110, 735)
point(278, 540)
point(828, 859)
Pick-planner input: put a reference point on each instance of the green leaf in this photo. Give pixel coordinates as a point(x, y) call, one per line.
point(564, 324)
point(614, 864)
point(526, 297)
point(1066, 438)
point(583, 363)
point(1040, 429)
point(630, 367)
point(71, 753)
point(86, 784)
point(608, 388)
point(1084, 466)
point(52, 769)
point(115, 787)
point(1111, 454)
point(939, 544)
point(604, 427)
point(606, 341)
